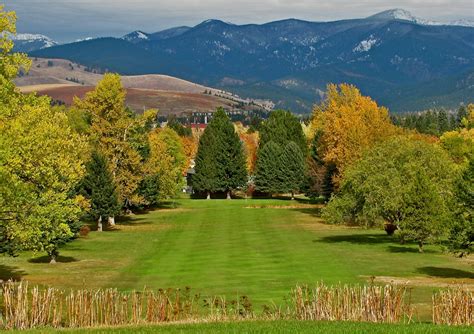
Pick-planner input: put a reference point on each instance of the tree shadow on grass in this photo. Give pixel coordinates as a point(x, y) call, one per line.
point(46, 259)
point(313, 212)
point(11, 273)
point(407, 249)
point(446, 272)
point(357, 238)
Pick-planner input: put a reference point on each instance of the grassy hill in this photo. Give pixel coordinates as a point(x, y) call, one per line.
point(62, 80)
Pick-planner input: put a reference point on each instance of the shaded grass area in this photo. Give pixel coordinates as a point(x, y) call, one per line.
point(275, 327)
point(235, 248)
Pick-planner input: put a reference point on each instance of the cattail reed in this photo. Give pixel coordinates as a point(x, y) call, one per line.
point(351, 303)
point(453, 306)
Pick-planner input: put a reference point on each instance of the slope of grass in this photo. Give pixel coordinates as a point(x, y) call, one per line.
point(274, 327)
point(239, 247)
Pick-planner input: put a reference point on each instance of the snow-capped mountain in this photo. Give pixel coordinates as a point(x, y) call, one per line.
point(30, 42)
point(136, 36)
point(292, 60)
point(401, 14)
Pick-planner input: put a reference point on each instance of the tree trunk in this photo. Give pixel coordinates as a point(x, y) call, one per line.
point(228, 194)
point(112, 221)
point(52, 256)
point(420, 246)
point(99, 224)
point(208, 195)
point(292, 195)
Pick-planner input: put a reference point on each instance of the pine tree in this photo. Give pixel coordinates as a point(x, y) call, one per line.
point(292, 169)
point(98, 186)
point(220, 161)
point(268, 172)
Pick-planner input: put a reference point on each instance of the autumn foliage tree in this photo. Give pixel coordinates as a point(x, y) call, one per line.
point(348, 123)
point(112, 134)
point(163, 170)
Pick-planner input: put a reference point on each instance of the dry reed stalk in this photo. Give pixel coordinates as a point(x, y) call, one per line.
point(350, 303)
point(453, 306)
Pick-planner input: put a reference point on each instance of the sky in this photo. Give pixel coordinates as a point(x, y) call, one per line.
point(68, 20)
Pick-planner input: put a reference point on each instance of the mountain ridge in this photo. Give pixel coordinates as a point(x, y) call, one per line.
point(294, 57)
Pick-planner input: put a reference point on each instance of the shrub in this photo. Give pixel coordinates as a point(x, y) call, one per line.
point(84, 231)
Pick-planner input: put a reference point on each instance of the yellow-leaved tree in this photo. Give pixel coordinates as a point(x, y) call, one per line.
point(164, 167)
point(114, 131)
point(41, 162)
point(346, 124)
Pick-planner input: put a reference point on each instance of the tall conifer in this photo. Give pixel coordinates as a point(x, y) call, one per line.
point(99, 187)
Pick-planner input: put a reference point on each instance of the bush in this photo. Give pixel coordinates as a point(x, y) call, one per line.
point(84, 231)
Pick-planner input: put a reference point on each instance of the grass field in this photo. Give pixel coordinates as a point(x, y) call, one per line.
point(274, 327)
point(258, 248)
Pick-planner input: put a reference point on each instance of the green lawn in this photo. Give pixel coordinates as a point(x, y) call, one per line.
point(222, 247)
point(273, 327)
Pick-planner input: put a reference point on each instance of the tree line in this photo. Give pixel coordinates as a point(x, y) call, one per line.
point(97, 159)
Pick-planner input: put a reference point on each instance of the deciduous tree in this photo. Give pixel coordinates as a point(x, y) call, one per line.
point(350, 123)
point(403, 182)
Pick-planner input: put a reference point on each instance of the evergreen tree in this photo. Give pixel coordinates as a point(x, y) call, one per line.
point(98, 186)
point(292, 169)
point(230, 158)
point(220, 161)
point(268, 172)
point(205, 178)
point(282, 127)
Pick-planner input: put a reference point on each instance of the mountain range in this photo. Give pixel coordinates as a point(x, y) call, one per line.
point(404, 62)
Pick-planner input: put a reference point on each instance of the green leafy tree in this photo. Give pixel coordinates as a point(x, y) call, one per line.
point(423, 213)
point(461, 236)
point(221, 166)
point(395, 183)
point(281, 128)
point(98, 186)
point(268, 171)
point(40, 162)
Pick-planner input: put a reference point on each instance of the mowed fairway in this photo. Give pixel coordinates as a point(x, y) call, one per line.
point(258, 248)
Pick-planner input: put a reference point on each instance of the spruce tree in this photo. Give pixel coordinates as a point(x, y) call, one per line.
point(282, 127)
point(268, 172)
point(98, 186)
point(230, 159)
point(292, 169)
point(220, 161)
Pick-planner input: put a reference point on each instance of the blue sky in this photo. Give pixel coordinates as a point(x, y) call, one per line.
point(66, 20)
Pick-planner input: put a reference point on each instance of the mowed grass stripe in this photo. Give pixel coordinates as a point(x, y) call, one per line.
point(227, 248)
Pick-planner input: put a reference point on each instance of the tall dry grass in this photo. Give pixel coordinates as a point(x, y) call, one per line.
point(369, 303)
point(22, 307)
point(28, 308)
point(453, 306)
